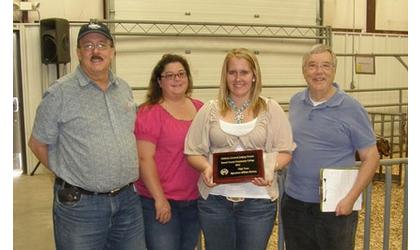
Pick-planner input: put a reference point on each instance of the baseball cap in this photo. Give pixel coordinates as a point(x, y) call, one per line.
point(99, 28)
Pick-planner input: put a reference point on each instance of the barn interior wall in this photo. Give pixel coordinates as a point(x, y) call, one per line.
point(280, 59)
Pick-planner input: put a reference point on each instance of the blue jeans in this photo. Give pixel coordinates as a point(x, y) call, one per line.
point(245, 225)
point(306, 227)
point(181, 232)
point(99, 222)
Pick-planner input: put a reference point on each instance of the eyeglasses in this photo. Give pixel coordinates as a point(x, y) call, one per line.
point(92, 46)
point(322, 66)
point(172, 76)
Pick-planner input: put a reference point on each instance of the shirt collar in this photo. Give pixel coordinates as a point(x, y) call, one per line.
point(85, 80)
point(335, 100)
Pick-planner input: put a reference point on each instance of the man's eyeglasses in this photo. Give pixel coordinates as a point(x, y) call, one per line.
point(92, 46)
point(322, 66)
point(172, 76)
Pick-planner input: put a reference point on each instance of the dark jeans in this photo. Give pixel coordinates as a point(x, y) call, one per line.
point(180, 233)
point(306, 227)
point(244, 225)
point(99, 222)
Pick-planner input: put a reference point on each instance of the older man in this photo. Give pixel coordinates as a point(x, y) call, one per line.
point(83, 132)
point(328, 127)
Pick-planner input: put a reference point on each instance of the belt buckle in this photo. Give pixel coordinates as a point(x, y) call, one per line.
point(235, 199)
point(114, 192)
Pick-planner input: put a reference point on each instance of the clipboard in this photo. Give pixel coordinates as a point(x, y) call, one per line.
point(335, 183)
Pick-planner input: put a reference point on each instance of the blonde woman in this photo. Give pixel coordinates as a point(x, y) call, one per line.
point(239, 215)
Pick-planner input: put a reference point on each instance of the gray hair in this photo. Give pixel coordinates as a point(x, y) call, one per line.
point(317, 49)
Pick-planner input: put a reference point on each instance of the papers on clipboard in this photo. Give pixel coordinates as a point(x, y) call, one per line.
point(334, 185)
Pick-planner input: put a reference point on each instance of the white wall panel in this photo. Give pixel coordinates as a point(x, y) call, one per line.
point(36, 77)
point(392, 15)
point(243, 11)
point(74, 10)
point(389, 71)
point(280, 60)
point(137, 56)
point(32, 80)
point(346, 14)
point(351, 14)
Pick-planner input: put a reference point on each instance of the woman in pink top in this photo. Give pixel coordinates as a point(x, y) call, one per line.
point(167, 184)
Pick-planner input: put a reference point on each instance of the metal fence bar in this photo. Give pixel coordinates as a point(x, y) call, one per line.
point(376, 89)
point(387, 206)
point(280, 231)
point(368, 212)
point(405, 214)
point(282, 86)
point(388, 163)
point(392, 131)
point(402, 142)
point(284, 105)
point(383, 125)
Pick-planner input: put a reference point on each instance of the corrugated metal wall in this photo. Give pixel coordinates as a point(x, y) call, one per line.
point(279, 58)
point(269, 11)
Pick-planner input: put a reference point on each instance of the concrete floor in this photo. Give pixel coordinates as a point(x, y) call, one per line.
point(33, 229)
point(32, 212)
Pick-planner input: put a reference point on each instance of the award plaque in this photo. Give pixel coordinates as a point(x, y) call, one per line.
point(237, 166)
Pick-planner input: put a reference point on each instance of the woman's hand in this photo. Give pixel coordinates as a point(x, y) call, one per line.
point(163, 211)
point(283, 159)
point(259, 181)
point(201, 163)
point(207, 175)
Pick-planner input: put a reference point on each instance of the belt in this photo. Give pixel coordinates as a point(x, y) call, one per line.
point(234, 199)
point(113, 192)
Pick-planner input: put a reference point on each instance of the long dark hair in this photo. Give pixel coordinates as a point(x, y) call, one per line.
point(154, 92)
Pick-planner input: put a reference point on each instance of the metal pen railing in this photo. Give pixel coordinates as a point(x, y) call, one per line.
point(398, 103)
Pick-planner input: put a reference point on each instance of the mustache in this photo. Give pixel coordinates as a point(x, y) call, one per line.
point(94, 57)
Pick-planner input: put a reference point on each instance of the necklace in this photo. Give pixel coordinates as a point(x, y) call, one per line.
point(239, 111)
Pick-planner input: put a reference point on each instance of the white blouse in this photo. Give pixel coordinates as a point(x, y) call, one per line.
point(245, 189)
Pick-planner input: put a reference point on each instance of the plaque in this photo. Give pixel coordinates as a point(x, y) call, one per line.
point(237, 166)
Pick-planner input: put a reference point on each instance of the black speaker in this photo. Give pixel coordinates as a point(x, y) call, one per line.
point(55, 43)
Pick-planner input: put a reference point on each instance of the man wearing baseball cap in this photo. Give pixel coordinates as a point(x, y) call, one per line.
point(83, 132)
